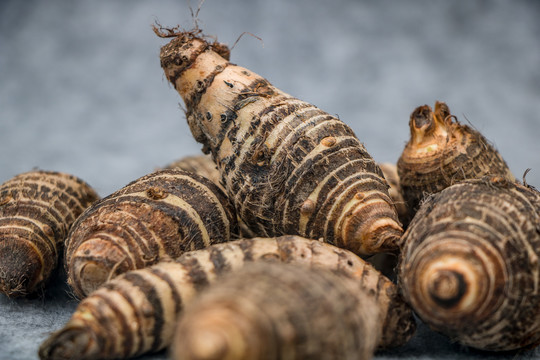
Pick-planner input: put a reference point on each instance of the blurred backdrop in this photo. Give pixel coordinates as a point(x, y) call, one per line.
point(82, 91)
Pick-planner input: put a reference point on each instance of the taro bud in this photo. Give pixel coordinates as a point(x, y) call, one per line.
point(442, 152)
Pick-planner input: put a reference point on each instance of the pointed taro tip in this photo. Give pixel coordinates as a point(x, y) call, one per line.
point(398, 317)
point(68, 343)
point(20, 267)
point(370, 237)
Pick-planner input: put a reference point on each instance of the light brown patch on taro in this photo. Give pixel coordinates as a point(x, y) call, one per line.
point(156, 193)
point(328, 141)
point(307, 207)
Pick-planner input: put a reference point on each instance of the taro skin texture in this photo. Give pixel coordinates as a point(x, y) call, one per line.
point(202, 165)
point(288, 167)
point(469, 265)
point(279, 311)
point(99, 328)
point(390, 173)
point(158, 216)
point(37, 209)
point(441, 152)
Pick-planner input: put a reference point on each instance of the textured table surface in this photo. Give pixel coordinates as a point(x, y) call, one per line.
point(82, 91)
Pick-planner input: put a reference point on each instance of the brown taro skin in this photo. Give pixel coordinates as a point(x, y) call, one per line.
point(99, 328)
point(441, 152)
point(158, 216)
point(288, 166)
point(37, 208)
point(469, 265)
point(279, 311)
point(391, 175)
point(204, 165)
point(198, 164)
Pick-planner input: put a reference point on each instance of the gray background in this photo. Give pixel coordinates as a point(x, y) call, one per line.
point(82, 91)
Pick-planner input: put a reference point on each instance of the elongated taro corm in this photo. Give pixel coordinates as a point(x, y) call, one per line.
point(289, 167)
point(160, 215)
point(469, 265)
point(37, 208)
point(280, 311)
point(135, 313)
point(442, 152)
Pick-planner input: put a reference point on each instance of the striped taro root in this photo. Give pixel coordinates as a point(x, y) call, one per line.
point(160, 215)
point(135, 313)
point(37, 209)
point(280, 311)
point(469, 265)
point(289, 167)
point(442, 152)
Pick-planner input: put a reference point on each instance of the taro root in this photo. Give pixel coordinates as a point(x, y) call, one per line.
point(158, 216)
point(280, 311)
point(442, 152)
point(288, 167)
point(98, 330)
point(469, 265)
point(37, 208)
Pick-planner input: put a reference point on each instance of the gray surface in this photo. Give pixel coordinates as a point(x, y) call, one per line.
point(81, 91)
